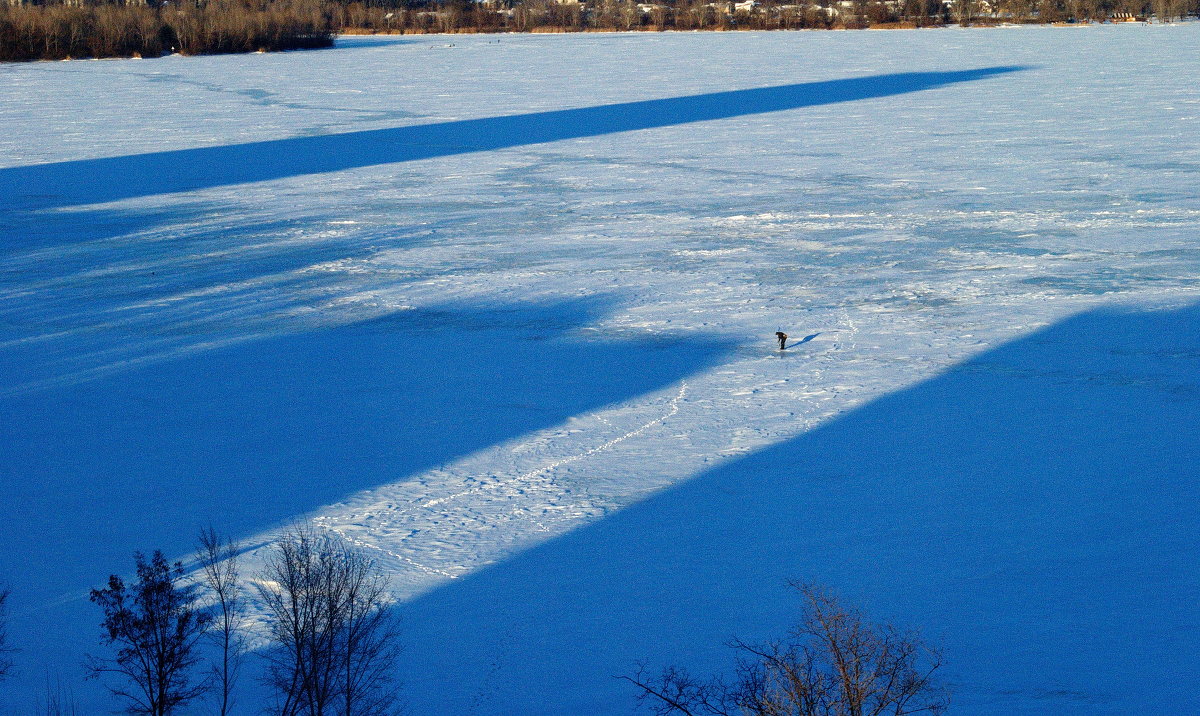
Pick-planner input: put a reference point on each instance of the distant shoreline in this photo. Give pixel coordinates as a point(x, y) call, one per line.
point(367, 32)
point(159, 27)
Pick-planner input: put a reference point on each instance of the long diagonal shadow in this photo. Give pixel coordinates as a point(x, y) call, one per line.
point(258, 432)
point(1033, 510)
point(91, 181)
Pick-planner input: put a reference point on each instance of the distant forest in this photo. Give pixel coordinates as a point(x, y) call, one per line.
point(59, 29)
point(447, 16)
point(63, 29)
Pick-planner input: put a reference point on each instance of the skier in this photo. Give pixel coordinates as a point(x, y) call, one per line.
point(782, 339)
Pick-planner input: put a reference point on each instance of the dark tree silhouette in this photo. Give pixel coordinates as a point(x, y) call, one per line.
point(6, 650)
point(57, 701)
point(217, 557)
point(834, 663)
point(154, 625)
point(333, 638)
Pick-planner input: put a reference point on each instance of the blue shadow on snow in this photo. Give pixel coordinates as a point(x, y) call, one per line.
point(90, 181)
point(248, 436)
point(1033, 510)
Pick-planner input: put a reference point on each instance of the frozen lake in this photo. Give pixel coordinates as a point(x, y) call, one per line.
point(501, 310)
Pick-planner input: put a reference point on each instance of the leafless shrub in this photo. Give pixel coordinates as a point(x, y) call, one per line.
point(334, 645)
point(834, 663)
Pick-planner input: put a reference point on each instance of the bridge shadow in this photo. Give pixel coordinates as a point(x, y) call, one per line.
point(90, 181)
point(1034, 510)
point(253, 434)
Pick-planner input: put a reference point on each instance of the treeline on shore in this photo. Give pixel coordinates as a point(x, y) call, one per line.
point(452, 16)
point(76, 29)
point(60, 29)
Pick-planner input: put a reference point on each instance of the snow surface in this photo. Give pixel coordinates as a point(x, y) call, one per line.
point(501, 311)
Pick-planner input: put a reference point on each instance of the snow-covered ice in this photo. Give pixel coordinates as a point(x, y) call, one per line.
point(501, 311)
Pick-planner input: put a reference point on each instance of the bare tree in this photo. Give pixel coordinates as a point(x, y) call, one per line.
point(1169, 10)
point(217, 557)
point(56, 701)
point(834, 663)
point(334, 645)
point(154, 624)
point(6, 663)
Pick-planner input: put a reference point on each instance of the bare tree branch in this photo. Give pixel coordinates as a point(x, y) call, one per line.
point(334, 641)
point(6, 649)
point(836, 663)
point(154, 625)
point(217, 557)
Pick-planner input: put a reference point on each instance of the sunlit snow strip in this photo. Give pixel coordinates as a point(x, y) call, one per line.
point(452, 520)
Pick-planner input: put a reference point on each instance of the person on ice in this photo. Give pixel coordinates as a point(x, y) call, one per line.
point(782, 339)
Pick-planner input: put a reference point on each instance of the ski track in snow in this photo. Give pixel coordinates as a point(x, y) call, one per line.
point(466, 495)
point(379, 511)
point(528, 493)
point(672, 409)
